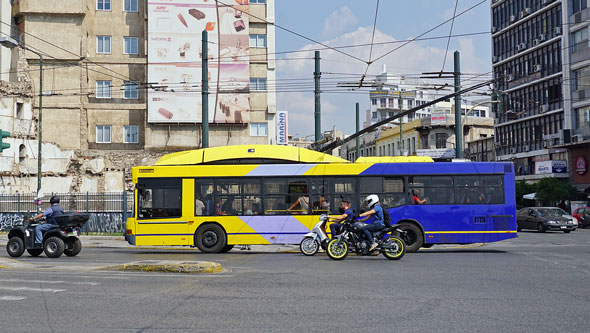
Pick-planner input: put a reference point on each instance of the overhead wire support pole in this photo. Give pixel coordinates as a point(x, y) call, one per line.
point(318, 106)
point(458, 127)
point(205, 93)
point(410, 111)
point(358, 128)
point(39, 161)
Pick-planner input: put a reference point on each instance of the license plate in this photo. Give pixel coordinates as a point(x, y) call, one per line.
point(563, 227)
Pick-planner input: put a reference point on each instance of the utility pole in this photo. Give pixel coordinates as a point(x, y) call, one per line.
point(40, 149)
point(400, 101)
point(318, 107)
point(458, 124)
point(205, 92)
point(358, 128)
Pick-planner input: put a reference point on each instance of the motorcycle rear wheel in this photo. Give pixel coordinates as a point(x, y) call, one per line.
point(337, 250)
point(394, 248)
point(309, 246)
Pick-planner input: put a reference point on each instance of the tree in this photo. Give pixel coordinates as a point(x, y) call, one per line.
point(523, 188)
point(553, 190)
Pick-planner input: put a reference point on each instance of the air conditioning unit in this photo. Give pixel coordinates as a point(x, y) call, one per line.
point(538, 68)
point(495, 59)
point(535, 42)
point(544, 108)
point(509, 77)
point(494, 30)
point(512, 18)
point(527, 11)
point(546, 2)
point(512, 150)
point(522, 46)
point(520, 15)
point(526, 148)
point(577, 138)
point(542, 37)
point(557, 31)
point(547, 143)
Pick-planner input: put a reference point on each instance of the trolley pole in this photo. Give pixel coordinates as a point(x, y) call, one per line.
point(318, 107)
point(358, 128)
point(205, 92)
point(458, 123)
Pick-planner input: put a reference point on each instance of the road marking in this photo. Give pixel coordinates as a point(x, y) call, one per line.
point(12, 298)
point(32, 289)
point(50, 282)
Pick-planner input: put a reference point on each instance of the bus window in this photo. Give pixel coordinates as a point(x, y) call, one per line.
point(284, 196)
point(159, 199)
point(298, 196)
point(204, 197)
point(493, 189)
point(394, 194)
point(479, 190)
point(440, 191)
point(227, 196)
point(251, 191)
point(418, 186)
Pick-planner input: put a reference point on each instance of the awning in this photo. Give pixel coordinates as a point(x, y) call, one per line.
point(530, 196)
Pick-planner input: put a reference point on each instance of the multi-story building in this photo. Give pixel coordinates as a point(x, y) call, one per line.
point(122, 79)
point(533, 54)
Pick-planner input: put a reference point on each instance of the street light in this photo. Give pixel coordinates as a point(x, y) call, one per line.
point(465, 118)
point(10, 43)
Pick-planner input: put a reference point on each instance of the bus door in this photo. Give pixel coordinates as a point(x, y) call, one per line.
point(160, 219)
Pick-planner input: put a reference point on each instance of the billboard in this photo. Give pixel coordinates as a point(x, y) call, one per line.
point(282, 128)
point(175, 61)
point(438, 117)
point(552, 166)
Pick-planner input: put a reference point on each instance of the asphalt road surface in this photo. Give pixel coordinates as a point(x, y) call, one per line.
point(535, 283)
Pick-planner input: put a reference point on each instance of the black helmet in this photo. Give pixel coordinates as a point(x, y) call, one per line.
point(54, 199)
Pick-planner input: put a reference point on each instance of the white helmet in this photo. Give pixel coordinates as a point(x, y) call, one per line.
point(372, 200)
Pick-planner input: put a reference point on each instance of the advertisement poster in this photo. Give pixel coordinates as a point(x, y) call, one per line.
point(547, 167)
point(438, 117)
point(282, 128)
point(175, 61)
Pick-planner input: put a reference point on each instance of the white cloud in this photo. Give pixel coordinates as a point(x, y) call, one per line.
point(338, 108)
point(339, 21)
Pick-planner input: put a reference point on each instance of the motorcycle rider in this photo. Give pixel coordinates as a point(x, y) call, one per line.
point(346, 215)
point(378, 223)
point(50, 213)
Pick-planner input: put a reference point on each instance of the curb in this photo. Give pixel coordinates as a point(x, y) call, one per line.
point(186, 267)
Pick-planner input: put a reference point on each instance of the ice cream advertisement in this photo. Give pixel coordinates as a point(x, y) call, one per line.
point(175, 54)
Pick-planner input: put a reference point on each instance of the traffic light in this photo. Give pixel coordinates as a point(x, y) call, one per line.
point(4, 145)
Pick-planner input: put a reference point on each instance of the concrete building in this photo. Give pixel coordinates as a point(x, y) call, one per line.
point(96, 89)
point(481, 150)
point(536, 45)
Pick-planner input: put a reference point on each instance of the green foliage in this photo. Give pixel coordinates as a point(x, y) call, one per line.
point(551, 189)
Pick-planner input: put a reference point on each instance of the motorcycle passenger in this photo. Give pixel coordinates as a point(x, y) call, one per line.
point(346, 216)
point(377, 224)
point(50, 213)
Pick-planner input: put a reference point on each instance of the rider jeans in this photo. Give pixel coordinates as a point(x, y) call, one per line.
point(370, 228)
point(39, 231)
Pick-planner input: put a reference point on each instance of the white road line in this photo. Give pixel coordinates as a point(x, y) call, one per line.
point(50, 282)
point(12, 298)
point(32, 289)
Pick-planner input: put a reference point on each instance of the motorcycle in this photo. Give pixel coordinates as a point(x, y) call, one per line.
point(318, 237)
point(389, 242)
point(60, 239)
point(584, 221)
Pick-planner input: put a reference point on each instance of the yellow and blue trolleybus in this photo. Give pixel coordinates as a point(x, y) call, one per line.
point(215, 198)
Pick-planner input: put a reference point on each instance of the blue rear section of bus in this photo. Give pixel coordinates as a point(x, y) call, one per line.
point(457, 223)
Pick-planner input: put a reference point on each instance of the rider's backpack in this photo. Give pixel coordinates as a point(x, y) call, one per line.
point(386, 218)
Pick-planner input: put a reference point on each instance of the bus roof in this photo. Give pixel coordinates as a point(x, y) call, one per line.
point(254, 154)
point(394, 159)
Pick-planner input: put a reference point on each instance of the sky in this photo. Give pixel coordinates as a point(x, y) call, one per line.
point(350, 22)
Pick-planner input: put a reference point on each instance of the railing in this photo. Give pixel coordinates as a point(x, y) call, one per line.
point(108, 211)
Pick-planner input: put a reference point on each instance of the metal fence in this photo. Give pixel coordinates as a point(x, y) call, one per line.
point(108, 211)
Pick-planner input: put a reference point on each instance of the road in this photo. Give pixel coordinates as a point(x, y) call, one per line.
point(535, 283)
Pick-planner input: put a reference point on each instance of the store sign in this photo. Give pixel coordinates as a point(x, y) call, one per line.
point(437, 153)
point(548, 167)
point(282, 129)
point(438, 117)
point(581, 165)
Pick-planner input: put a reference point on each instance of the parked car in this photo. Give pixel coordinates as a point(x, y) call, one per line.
point(568, 216)
point(543, 219)
point(578, 215)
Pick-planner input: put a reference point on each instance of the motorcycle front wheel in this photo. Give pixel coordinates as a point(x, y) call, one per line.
point(394, 248)
point(309, 246)
point(337, 250)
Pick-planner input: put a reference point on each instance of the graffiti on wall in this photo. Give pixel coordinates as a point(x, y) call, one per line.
point(98, 222)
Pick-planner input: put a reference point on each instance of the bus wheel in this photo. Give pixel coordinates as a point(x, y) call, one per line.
point(210, 238)
point(414, 238)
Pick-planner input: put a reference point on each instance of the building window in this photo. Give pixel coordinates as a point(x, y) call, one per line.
point(103, 44)
point(103, 134)
point(410, 104)
point(257, 83)
point(583, 117)
point(373, 101)
point(130, 6)
point(103, 89)
point(258, 129)
point(441, 140)
point(373, 115)
point(131, 134)
point(582, 78)
point(578, 5)
point(257, 40)
point(383, 102)
point(131, 91)
point(130, 45)
point(103, 4)
point(580, 39)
